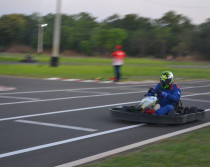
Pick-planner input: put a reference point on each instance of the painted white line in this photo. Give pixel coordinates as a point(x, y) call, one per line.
point(196, 100)
point(66, 111)
point(192, 87)
point(56, 125)
point(72, 110)
point(78, 91)
point(67, 141)
point(195, 81)
point(74, 97)
point(131, 146)
point(88, 96)
point(197, 94)
point(22, 98)
point(63, 90)
point(64, 98)
point(111, 87)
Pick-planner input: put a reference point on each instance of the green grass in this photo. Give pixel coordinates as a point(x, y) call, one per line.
point(136, 69)
point(188, 150)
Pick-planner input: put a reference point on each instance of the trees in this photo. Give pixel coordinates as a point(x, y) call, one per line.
point(176, 30)
point(31, 30)
point(171, 34)
point(76, 32)
point(12, 28)
point(201, 39)
point(103, 40)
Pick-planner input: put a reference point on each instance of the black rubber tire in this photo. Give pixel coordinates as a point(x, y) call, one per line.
point(171, 114)
point(193, 110)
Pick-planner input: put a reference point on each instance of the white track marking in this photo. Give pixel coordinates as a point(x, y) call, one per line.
point(67, 141)
point(131, 146)
point(196, 100)
point(23, 98)
point(197, 94)
point(74, 97)
point(72, 110)
point(113, 87)
point(192, 87)
point(196, 81)
point(64, 90)
point(66, 111)
point(56, 125)
point(107, 94)
point(92, 92)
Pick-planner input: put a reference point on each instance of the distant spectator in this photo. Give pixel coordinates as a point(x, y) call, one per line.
point(170, 57)
point(118, 60)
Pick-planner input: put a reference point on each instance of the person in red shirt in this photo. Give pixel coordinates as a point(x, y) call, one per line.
point(118, 60)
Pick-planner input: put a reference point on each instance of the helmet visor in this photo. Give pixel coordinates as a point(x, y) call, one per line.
point(165, 83)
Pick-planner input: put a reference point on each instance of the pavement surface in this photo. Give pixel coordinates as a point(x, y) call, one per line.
point(65, 123)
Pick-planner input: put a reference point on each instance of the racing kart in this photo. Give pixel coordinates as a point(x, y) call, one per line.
point(137, 113)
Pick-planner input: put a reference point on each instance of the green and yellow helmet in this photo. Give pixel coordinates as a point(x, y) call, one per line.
point(166, 79)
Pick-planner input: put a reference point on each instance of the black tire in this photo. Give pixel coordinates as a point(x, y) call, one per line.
point(125, 108)
point(171, 114)
point(193, 110)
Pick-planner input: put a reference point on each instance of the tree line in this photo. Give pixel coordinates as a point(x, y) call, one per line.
point(172, 34)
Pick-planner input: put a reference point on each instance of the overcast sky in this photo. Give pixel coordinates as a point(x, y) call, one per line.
point(196, 10)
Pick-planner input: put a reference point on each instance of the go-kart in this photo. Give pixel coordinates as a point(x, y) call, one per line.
point(137, 112)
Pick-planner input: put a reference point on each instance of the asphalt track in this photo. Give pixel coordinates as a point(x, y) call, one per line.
point(51, 123)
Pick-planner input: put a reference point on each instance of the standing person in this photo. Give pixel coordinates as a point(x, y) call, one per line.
point(118, 60)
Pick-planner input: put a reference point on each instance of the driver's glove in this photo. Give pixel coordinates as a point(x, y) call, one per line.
point(151, 92)
point(164, 94)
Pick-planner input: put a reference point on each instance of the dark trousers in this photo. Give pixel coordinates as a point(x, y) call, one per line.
point(117, 73)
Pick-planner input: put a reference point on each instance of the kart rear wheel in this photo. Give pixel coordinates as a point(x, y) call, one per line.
point(193, 110)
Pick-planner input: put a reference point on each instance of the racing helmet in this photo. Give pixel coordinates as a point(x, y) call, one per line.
point(166, 79)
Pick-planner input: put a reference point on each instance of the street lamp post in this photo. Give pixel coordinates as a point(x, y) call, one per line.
point(56, 35)
point(40, 38)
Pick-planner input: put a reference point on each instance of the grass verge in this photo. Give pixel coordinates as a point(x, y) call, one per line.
point(90, 68)
point(188, 150)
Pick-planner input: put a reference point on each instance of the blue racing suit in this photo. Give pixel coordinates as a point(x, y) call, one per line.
point(167, 99)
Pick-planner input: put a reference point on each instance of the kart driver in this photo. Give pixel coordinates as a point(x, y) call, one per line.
point(168, 96)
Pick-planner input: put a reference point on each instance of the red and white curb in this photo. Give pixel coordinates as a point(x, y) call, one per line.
point(98, 81)
point(77, 80)
point(5, 88)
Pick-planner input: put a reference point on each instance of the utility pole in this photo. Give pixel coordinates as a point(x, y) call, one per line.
point(40, 37)
point(56, 35)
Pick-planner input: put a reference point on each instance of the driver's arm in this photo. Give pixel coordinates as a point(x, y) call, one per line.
point(175, 96)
